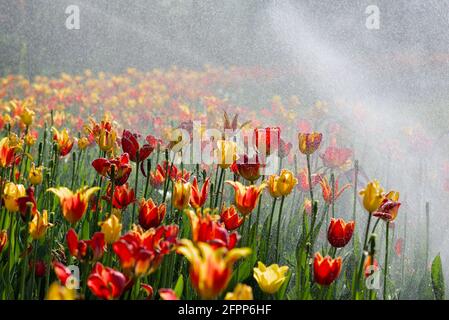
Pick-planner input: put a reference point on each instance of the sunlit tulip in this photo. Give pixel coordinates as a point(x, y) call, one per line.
point(151, 214)
point(206, 228)
point(246, 197)
point(63, 141)
point(326, 189)
point(95, 247)
point(270, 279)
point(231, 219)
point(111, 228)
point(339, 232)
point(181, 194)
point(60, 292)
point(123, 196)
point(118, 168)
point(198, 197)
point(7, 153)
point(241, 292)
point(11, 193)
point(74, 205)
point(372, 196)
point(29, 139)
point(158, 177)
point(281, 185)
point(226, 153)
point(83, 143)
point(3, 239)
point(334, 157)
point(326, 270)
point(27, 116)
point(106, 283)
point(35, 176)
point(141, 252)
point(106, 138)
point(210, 269)
point(131, 145)
point(39, 225)
point(309, 142)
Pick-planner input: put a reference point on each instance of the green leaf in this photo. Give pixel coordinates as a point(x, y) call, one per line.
point(437, 278)
point(179, 287)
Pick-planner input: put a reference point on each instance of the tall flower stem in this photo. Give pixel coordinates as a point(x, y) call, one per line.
point(354, 203)
point(270, 223)
point(386, 259)
point(217, 194)
point(279, 228)
point(358, 275)
point(135, 187)
point(309, 176)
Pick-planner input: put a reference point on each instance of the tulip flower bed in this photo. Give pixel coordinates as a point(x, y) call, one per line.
point(93, 209)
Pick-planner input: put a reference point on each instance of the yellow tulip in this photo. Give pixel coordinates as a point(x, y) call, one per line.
point(241, 292)
point(270, 279)
point(309, 142)
point(35, 176)
point(27, 116)
point(11, 193)
point(83, 142)
point(181, 194)
point(281, 185)
point(111, 228)
point(58, 292)
point(39, 225)
point(29, 139)
point(226, 153)
point(372, 196)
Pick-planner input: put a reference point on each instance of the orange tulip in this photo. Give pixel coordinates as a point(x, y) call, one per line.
point(210, 269)
point(63, 141)
point(231, 219)
point(326, 189)
point(7, 153)
point(151, 215)
point(74, 205)
point(3, 239)
point(198, 197)
point(326, 269)
point(246, 196)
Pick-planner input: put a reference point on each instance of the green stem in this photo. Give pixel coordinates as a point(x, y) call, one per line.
point(270, 222)
point(279, 228)
point(386, 260)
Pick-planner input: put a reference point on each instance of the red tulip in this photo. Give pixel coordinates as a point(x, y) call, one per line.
point(61, 271)
point(231, 219)
point(249, 169)
point(123, 196)
point(121, 165)
point(206, 229)
point(158, 177)
point(326, 270)
point(340, 232)
point(79, 248)
point(106, 283)
point(198, 197)
point(150, 214)
point(131, 146)
point(140, 253)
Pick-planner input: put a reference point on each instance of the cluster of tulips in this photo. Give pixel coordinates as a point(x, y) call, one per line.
point(137, 223)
